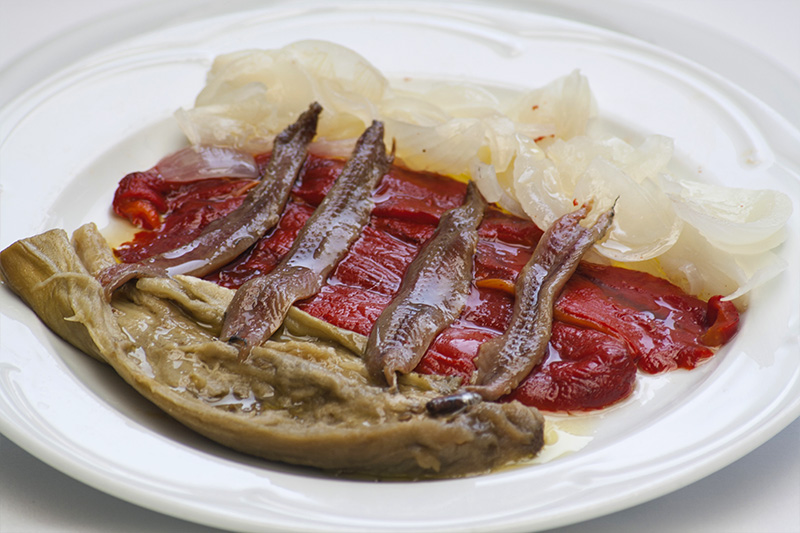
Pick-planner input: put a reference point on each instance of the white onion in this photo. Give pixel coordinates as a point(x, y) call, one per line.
point(446, 148)
point(738, 220)
point(201, 162)
point(485, 177)
point(413, 110)
point(252, 95)
point(645, 225)
point(713, 270)
point(456, 99)
point(539, 188)
point(566, 102)
point(528, 151)
point(584, 169)
point(647, 161)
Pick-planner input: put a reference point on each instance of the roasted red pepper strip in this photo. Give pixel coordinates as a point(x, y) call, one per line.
point(594, 370)
point(664, 327)
point(139, 199)
point(722, 321)
point(188, 207)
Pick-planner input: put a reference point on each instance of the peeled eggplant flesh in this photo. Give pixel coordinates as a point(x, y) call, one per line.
point(301, 398)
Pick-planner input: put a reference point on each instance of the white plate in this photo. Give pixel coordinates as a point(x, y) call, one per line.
point(65, 144)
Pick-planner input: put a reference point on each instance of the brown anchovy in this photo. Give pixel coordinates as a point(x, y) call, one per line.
point(433, 293)
point(503, 362)
point(226, 238)
point(260, 304)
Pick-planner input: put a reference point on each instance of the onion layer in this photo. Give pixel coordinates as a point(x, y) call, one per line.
point(202, 162)
point(527, 150)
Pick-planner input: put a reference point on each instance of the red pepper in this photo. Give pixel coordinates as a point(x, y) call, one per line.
point(722, 321)
point(603, 308)
point(140, 197)
point(594, 370)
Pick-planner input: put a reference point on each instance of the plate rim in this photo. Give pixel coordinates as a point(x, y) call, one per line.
point(776, 428)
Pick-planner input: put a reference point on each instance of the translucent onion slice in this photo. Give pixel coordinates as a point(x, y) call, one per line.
point(650, 159)
point(712, 270)
point(508, 141)
point(201, 162)
point(737, 220)
point(573, 157)
point(252, 95)
point(645, 225)
point(490, 186)
point(566, 103)
point(446, 148)
point(485, 178)
point(456, 99)
point(541, 192)
point(528, 151)
point(413, 110)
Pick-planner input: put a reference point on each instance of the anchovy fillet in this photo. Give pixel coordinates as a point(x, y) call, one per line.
point(260, 304)
point(226, 238)
point(433, 293)
point(503, 362)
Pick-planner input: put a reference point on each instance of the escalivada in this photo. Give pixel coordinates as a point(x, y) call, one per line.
point(432, 278)
point(356, 316)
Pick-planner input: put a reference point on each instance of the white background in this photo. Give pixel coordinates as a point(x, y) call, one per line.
point(747, 41)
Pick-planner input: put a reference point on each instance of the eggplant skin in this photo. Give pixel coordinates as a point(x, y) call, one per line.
point(298, 400)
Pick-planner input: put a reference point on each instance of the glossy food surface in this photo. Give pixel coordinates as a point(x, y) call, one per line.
point(636, 318)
